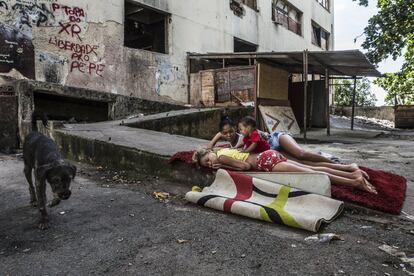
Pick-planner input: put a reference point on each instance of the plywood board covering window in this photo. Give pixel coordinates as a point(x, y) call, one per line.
point(273, 83)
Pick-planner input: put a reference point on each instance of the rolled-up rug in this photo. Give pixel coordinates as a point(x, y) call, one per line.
point(266, 200)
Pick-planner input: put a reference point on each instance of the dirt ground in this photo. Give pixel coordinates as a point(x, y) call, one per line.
point(112, 225)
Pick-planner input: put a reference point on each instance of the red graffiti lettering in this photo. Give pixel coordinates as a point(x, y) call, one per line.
point(91, 68)
point(55, 7)
point(71, 29)
point(77, 65)
point(84, 49)
point(75, 11)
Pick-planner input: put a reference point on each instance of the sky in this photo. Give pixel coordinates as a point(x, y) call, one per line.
point(350, 21)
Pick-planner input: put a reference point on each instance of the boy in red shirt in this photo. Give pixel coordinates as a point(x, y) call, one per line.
point(253, 141)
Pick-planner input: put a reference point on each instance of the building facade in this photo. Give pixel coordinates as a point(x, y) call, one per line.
point(139, 47)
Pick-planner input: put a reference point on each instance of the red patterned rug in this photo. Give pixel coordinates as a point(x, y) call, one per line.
point(391, 189)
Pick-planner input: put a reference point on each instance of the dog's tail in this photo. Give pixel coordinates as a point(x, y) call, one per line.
point(38, 115)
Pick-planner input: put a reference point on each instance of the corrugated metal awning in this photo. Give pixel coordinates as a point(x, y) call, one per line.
point(352, 63)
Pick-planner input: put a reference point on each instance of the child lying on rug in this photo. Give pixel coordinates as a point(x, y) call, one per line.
point(273, 161)
point(279, 141)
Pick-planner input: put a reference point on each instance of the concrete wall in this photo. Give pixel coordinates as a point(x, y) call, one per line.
point(381, 112)
point(80, 42)
point(197, 123)
point(117, 106)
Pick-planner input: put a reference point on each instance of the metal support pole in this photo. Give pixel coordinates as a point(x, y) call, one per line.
point(224, 63)
point(311, 100)
point(328, 116)
point(305, 93)
point(188, 79)
point(353, 105)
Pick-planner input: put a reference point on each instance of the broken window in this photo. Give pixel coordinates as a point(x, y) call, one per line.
point(324, 3)
point(145, 28)
point(250, 3)
point(241, 46)
point(320, 37)
point(287, 16)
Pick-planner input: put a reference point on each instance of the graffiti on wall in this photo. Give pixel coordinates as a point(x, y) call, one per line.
point(70, 25)
point(16, 52)
point(23, 15)
point(17, 19)
point(84, 57)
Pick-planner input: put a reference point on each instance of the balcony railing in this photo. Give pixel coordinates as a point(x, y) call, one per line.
point(287, 22)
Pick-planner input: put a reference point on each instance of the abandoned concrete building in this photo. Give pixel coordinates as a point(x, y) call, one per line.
point(139, 47)
point(107, 58)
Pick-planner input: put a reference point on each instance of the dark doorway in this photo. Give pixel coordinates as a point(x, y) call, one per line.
point(60, 108)
point(145, 28)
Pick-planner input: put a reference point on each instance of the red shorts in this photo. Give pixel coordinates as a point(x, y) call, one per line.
point(268, 159)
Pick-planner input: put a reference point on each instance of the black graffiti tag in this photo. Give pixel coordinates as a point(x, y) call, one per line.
point(37, 14)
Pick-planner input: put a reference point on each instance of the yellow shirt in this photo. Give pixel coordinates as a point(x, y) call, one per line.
point(233, 153)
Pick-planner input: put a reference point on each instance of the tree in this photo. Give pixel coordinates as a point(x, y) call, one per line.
point(390, 33)
point(363, 97)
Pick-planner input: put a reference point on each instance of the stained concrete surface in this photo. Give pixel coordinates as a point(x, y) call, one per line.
point(113, 226)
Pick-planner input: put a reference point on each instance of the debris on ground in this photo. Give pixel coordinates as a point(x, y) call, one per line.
point(196, 189)
point(180, 241)
point(324, 238)
point(136, 116)
point(366, 227)
point(407, 216)
point(62, 213)
point(161, 196)
point(393, 251)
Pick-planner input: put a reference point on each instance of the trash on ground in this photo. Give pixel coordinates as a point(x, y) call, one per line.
point(396, 253)
point(213, 252)
point(161, 196)
point(366, 227)
point(407, 216)
point(26, 250)
point(136, 116)
point(196, 189)
point(182, 241)
point(62, 213)
point(120, 239)
point(324, 238)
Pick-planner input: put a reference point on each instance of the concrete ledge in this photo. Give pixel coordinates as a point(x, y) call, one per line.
point(199, 123)
point(131, 151)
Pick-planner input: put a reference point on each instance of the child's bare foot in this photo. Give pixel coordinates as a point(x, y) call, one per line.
point(360, 173)
point(353, 167)
point(363, 184)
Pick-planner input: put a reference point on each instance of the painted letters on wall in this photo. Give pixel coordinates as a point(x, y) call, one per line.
point(67, 26)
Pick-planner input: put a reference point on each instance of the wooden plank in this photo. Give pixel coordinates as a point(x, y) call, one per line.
point(207, 88)
point(273, 83)
point(222, 81)
point(195, 89)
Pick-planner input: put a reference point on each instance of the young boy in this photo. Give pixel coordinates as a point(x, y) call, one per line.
point(253, 141)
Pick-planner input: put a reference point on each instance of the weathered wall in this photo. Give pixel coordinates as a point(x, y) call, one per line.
point(377, 112)
point(71, 99)
point(8, 121)
point(80, 42)
point(198, 123)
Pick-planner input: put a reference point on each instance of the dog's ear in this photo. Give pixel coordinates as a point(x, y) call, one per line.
point(41, 172)
point(73, 170)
